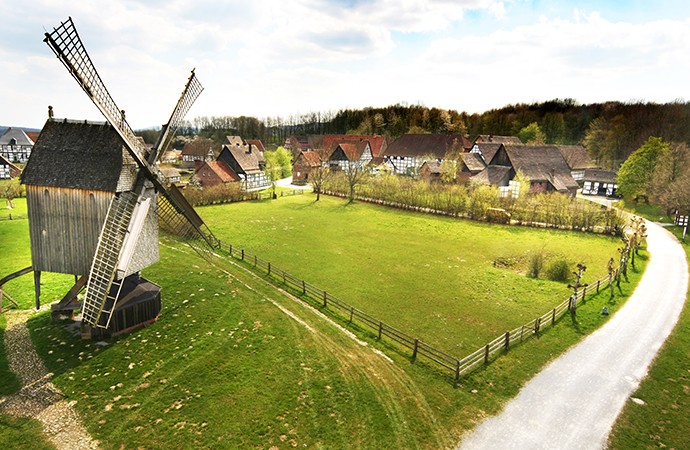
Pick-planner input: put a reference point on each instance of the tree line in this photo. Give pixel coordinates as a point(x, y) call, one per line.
point(610, 131)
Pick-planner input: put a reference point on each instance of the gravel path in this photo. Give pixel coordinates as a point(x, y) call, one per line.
point(574, 401)
point(39, 398)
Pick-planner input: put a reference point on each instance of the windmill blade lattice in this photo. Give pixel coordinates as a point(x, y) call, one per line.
point(125, 214)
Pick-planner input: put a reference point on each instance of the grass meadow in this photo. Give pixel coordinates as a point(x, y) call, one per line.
point(235, 363)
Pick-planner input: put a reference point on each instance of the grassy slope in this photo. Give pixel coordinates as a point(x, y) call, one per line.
point(430, 276)
point(232, 370)
point(663, 422)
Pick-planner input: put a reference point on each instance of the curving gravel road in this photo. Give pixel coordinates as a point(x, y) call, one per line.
point(574, 401)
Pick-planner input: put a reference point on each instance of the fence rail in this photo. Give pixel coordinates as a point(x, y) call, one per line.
point(418, 348)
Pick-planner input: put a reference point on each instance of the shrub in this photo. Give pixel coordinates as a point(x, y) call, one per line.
point(536, 264)
point(558, 270)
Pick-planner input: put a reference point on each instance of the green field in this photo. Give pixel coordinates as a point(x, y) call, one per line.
point(455, 284)
point(234, 363)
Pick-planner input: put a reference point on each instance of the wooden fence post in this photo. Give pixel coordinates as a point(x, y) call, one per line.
point(598, 282)
point(325, 299)
point(284, 280)
point(536, 324)
point(230, 250)
point(414, 351)
point(457, 370)
point(352, 312)
point(553, 317)
point(522, 331)
point(486, 354)
point(255, 261)
point(507, 339)
point(242, 254)
point(269, 268)
point(304, 287)
point(380, 329)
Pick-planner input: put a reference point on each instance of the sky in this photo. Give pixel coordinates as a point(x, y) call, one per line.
point(268, 58)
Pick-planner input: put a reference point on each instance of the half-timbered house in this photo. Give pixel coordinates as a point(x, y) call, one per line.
point(303, 165)
point(16, 145)
point(350, 153)
point(409, 151)
point(247, 163)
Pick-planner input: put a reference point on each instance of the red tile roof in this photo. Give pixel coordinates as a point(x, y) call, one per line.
point(224, 173)
point(377, 143)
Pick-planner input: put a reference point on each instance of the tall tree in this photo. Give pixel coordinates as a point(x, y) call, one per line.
point(637, 170)
point(532, 134)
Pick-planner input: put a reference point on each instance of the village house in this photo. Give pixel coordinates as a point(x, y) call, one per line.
point(16, 145)
point(599, 182)
point(544, 165)
point(7, 169)
point(430, 170)
point(171, 174)
point(247, 162)
point(378, 144)
point(193, 154)
point(350, 153)
point(409, 151)
point(213, 173)
point(578, 160)
point(303, 165)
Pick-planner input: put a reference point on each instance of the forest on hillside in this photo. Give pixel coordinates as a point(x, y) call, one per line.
point(610, 131)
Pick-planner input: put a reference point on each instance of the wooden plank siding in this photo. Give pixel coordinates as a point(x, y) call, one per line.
point(64, 225)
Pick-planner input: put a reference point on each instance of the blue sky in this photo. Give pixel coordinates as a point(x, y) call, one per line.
point(280, 57)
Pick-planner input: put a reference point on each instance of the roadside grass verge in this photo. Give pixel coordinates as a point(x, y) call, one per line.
point(663, 421)
point(22, 434)
point(453, 283)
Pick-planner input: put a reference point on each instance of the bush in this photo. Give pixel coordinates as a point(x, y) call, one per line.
point(558, 270)
point(536, 264)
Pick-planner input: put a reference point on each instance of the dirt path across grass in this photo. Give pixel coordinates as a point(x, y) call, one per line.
point(38, 398)
point(574, 401)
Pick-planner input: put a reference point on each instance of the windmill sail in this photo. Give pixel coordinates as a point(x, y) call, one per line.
point(127, 209)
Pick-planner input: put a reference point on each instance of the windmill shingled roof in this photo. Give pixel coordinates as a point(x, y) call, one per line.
point(79, 155)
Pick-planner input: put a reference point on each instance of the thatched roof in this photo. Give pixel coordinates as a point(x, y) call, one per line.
point(576, 157)
point(493, 175)
point(600, 175)
point(474, 162)
point(417, 145)
point(79, 155)
point(542, 163)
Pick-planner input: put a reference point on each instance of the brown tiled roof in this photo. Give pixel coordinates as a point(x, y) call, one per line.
point(310, 159)
point(353, 150)
point(233, 140)
point(257, 144)
point(576, 157)
point(377, 143)
point(194, 149)
point(33, 135)
point(488, 149)
point(14, 170)
point(434, 166)
point(416, 145)
point(247, 159)
point(224, 172)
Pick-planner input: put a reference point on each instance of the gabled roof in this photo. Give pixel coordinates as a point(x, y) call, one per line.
point(233, 140)
point(310, 159)
point(256, 143)
point(353, 150)
point(416, 145)
point(33, 135)
point(576, 157)
point(194, 149)
point(487, 149)
point(377, 143)
point(600, 175)
point(474, 162)
point(433, 166)
point(169, 172)
point(222, 170)
point(247, 159)
point(79, 155)
point(542, 163)
point(18, 135)
point(492, 175)
point(14, 170)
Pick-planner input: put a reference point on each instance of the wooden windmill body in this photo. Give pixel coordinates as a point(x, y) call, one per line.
point(95, 199)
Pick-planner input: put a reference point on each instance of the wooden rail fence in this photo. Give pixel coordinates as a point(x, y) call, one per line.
point(418, 348)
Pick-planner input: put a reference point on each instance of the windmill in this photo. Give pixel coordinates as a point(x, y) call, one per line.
point(141, 193)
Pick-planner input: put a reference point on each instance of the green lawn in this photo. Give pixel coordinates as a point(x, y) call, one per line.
point(453, 283)
point(663, 422)
point(226, 367)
